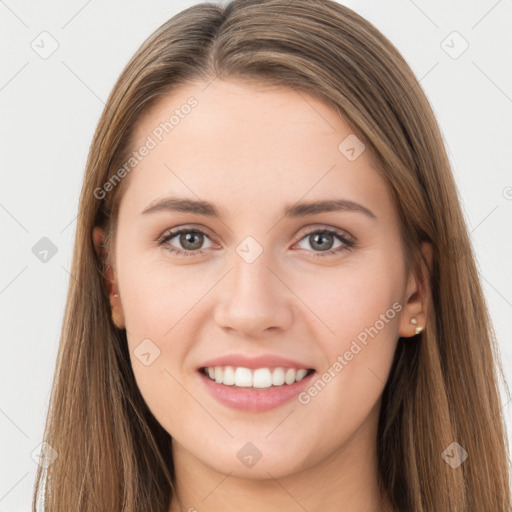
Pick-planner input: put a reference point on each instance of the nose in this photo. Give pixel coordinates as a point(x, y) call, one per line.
point(254, 299)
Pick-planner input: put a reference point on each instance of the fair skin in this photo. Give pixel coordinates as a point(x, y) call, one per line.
point(251, 151)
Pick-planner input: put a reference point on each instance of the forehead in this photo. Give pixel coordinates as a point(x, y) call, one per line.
point(246, 146)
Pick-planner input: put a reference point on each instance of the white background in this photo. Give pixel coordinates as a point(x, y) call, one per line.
point(50, 107)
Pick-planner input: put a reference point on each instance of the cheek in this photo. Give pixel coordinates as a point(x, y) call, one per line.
point(356, 304)
point(157, 310)
point(156, 295)
point(359, 312)
point(349, 300)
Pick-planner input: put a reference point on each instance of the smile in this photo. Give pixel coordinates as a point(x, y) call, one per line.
point(254, 390)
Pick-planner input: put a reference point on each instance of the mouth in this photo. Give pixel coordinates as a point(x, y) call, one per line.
point(255, 391)
point(256, 379)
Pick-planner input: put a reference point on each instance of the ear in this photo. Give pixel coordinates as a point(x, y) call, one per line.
point(110, 277)
point(417, 294)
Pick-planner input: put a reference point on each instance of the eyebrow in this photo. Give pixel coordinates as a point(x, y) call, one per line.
point(199, 207)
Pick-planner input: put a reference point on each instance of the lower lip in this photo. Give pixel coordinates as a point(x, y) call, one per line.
point(254, 399)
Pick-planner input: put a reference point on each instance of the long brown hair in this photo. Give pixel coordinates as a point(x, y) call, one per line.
point(443, 388)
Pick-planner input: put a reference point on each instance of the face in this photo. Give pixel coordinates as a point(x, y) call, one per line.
point(324, 289)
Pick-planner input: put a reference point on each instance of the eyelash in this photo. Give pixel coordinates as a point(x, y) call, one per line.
point(349, 244)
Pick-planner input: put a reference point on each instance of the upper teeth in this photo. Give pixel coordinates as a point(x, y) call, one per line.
point(259, 378)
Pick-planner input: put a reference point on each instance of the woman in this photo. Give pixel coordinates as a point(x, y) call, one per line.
point(274, 303)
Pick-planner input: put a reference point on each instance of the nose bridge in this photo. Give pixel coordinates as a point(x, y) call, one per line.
point(252, 277)
point(252, 280)
point(251, 260)
point(254, 299)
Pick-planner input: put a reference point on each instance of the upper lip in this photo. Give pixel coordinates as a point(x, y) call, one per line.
point(261, 361)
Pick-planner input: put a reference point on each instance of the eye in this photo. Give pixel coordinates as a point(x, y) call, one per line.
point(324, 240)
point(190, 239)
point(321, 240)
